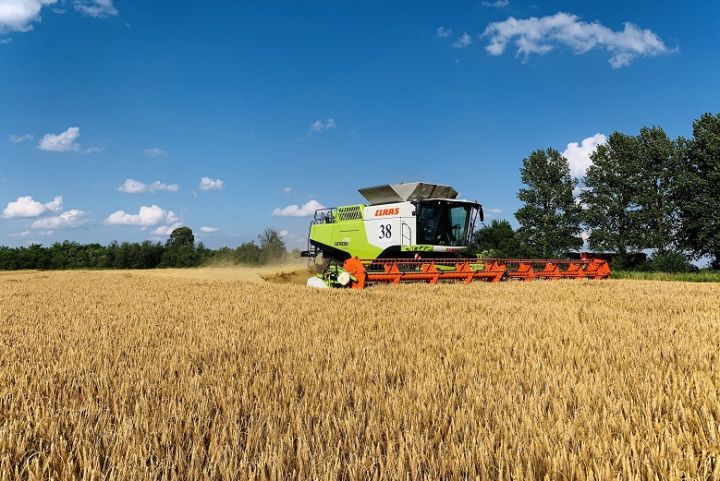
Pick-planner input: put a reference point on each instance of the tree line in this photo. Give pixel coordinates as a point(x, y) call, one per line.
point(642, 193)
point(180, 250)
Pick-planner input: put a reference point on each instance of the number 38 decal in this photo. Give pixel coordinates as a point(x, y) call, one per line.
point(385, 231)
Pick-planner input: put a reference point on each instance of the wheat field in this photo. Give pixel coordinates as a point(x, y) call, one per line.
point(130, 375)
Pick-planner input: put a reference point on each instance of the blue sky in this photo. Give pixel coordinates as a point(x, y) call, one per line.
point(120, 120)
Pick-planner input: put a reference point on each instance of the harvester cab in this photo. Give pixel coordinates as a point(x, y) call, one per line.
point(409, 232)
point(400, 220)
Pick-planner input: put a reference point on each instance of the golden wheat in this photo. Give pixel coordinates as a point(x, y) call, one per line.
point(114, 375)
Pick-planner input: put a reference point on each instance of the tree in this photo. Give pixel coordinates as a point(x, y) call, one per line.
point(182, 236)
point(180, 249)
point(698, 189)
point(498, 239)
point(203, 253)
point(247, 253)
point(272, 247)
point(150, 255)
point(550, 219)
point(610, 195)
point(657, 168)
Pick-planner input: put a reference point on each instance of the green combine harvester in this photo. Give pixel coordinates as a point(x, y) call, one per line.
point(413, 232)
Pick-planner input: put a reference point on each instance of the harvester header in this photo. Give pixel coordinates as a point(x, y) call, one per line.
point(417, 232)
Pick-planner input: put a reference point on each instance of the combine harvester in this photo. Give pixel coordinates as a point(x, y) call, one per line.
point(417, 232)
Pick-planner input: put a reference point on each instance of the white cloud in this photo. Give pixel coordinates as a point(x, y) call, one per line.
point(63, 142)
point(155, 152)
point(67, 220)
point(17, 15)
point(578, 154)
point(541, 35)
point(18, 139)
point(463, 41)
point(20, 234)
point(585, 236)
point(295, 210)
point(320, 126)
point(26, 206)
point(146, 216)
point(132, 186)
point(96, 8)
point(287, 190)
point(165, 230)
point(206, 183)
point(443, 32)
point(577, 190)
point(283, 233)
point(496, 4)
point(208, 230)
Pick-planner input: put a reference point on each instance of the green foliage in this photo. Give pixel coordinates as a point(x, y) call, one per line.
point(497, 239)
point(704, 275)
point(550, 219)
point(644, 192)
point(610, 197)
point(181, 237)
point(629, 193)
point(630, 261)
point(179, 251)
point(272, 247)
point(658, 212)
point(248, 253)
point(203, 253)
point(670, 261)
point(698, 189)
point(71, 255)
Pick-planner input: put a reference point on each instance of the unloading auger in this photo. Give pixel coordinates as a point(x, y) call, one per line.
point(418, 232)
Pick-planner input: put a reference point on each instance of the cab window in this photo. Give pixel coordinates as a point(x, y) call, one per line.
point(442, 223)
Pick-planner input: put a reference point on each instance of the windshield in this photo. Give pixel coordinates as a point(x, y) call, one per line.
point(443, 223)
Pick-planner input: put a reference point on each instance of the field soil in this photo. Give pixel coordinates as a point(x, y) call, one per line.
point(217, 374)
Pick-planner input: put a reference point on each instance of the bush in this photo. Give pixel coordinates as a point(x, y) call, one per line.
point(671, 261)
point(497, 239)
